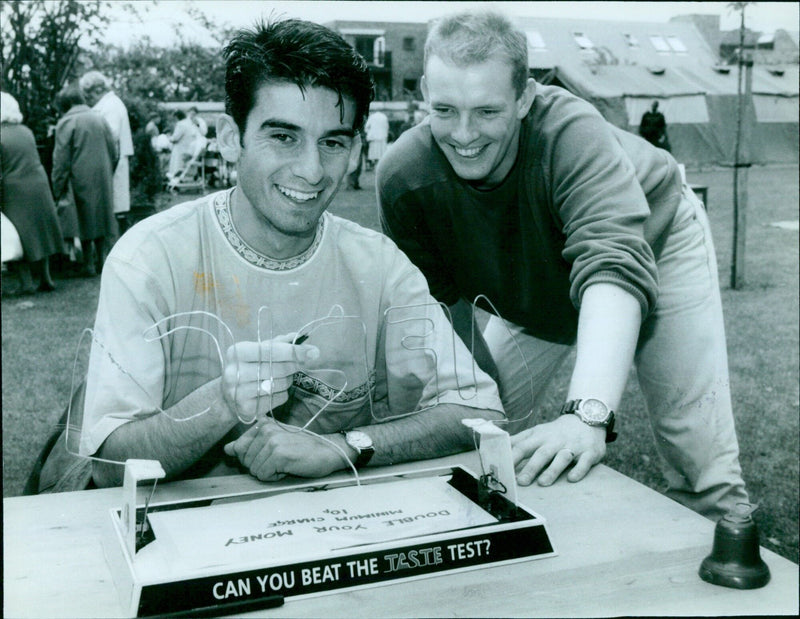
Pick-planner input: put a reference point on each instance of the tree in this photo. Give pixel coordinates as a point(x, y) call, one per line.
point(49, 43)
point(187, 72)
point(41, 43)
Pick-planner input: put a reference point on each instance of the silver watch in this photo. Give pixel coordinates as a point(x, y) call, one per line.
point(593, 412)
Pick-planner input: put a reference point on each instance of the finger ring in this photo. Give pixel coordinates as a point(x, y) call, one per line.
point(571, 453)
point(266, 386)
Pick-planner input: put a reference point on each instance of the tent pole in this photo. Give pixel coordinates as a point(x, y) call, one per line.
point(740, 163)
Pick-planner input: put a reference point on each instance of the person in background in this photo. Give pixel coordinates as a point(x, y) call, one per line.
point(582, 236)
point(653, 128)
point(97, 90)
point(185, 139)
point(151, 128)
point(26, 199)
point(84, 159)
point(266, 401)
point(201, 125)
point(377, 133)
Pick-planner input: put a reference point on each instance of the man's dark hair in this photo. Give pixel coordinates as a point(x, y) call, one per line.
point(179, 114)
point(69, 97)
point(298, 52)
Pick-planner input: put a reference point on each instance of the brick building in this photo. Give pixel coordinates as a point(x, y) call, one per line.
point(393, 51)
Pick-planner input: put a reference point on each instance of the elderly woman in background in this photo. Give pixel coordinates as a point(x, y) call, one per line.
point(26, 199)
point(98, 92)
point(84, 159)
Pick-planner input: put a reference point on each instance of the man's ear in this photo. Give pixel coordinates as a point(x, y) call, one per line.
point(525, 100)
point(228, 138)
point(423, 87)
point(355, 155)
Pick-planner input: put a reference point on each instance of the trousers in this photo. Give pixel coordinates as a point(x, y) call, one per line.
point(681, 364)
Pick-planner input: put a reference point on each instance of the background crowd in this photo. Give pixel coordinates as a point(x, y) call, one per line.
point(74, 214)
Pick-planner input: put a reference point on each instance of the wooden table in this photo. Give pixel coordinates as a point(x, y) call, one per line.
point(623, 549)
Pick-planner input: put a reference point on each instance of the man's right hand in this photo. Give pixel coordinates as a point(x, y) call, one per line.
point(257, 376)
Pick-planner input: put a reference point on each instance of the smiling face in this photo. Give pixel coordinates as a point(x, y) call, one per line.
point(291, 160)
point(476, 116)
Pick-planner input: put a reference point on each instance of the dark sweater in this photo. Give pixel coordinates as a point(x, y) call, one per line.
point(585, 203)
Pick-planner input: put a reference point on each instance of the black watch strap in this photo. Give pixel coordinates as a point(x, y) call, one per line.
point(365, 452)
point(364, 456)
point(611, 436)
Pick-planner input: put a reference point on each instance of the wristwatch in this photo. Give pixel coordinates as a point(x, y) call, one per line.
point(593, 412)
point(362, 443)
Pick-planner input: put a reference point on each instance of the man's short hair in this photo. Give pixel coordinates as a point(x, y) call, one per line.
point(298, 52)
point(470, 38)
point(93, 79)
point(69, 97)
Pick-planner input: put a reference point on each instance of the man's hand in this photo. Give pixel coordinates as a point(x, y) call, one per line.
point(270, 452)
point(257, 377)
point(550, 448)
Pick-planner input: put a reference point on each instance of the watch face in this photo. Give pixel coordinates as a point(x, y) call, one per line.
point(358, 440)
point(594, 411)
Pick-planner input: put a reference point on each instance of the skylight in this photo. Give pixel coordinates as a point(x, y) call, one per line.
point(535, 40)
point(583, 41)
point(676, 44)
point(659, 43)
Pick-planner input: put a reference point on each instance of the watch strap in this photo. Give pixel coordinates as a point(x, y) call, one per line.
point(364, 456)
point(364, 453)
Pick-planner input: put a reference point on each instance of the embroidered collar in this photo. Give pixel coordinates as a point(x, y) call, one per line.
point(222, 209)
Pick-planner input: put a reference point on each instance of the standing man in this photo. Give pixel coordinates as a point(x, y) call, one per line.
point(377, 133)
point(97, 91)
point(200, 359)
point(580, 235)
point(653, 128)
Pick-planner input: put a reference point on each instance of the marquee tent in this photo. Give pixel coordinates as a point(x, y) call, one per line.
point(622, 67)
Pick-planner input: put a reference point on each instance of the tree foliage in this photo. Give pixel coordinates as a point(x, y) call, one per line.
point(187, 72)
point(41, 44)
point(47, 44)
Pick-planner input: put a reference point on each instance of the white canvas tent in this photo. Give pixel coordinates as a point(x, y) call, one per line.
point(622, 67)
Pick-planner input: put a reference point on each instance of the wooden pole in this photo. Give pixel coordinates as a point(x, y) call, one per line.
point(741, 164)
point(738, 278)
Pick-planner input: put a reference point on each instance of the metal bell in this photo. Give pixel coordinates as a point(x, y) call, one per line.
point(735, 560)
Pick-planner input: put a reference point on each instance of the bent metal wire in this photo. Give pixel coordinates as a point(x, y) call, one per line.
point(394, 316)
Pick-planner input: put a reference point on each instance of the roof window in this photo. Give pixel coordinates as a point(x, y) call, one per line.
point(631, 40)
point(659, 43)
point(582, 40)
point(535, 40)
point(676, 44)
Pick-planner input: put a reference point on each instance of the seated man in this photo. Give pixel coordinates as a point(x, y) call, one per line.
point(199, 359)
point(186, 140)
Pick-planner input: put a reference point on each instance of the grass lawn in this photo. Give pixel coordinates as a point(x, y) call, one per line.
point(40, 334)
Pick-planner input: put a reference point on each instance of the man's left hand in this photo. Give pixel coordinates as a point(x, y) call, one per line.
point(548, 449)
point(270, 452)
